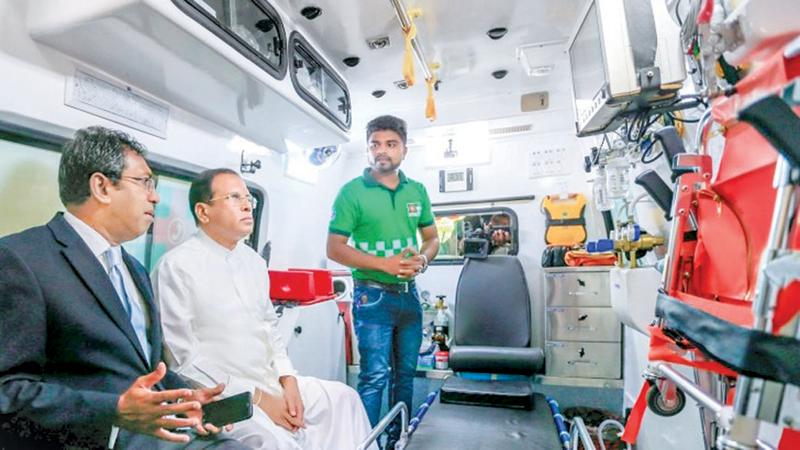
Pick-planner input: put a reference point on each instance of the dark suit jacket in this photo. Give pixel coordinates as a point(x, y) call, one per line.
point(67, 348)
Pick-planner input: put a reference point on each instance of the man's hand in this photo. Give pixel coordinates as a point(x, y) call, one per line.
point(500, 237)
point(294, 403)
point(405, 264)
point(204, 396)
point(276, 408)
point(142, 410)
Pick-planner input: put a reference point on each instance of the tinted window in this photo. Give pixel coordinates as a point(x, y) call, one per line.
point(456, 228)
point(250, 26)
point(318, 84)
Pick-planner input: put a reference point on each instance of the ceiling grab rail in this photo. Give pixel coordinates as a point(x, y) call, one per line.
point(415, 47)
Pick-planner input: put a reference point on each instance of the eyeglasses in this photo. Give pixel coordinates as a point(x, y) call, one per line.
point(150, 183)
point(236, 198)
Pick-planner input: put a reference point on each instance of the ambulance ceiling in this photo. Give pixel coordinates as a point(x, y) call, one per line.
point(453, 33)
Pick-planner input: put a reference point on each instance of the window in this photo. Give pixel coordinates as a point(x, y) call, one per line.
point(318, 84)
point(29, 186)
point(252, 27)
point(174, 222)
point(29, 195)
point(498, 226)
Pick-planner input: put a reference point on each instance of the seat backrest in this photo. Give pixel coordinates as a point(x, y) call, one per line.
point(492, 306)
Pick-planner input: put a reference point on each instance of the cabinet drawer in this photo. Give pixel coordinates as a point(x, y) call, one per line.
point(582, 324)
point(577, 289)
point(583, 359)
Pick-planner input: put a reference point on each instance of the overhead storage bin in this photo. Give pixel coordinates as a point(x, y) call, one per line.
point(224, 60)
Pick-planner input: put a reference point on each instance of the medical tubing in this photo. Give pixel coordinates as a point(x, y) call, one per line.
point(602, 426)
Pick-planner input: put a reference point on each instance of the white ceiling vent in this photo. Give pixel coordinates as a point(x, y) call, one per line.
point(505, 131)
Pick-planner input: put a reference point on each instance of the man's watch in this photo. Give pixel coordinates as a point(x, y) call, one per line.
point(424, 264)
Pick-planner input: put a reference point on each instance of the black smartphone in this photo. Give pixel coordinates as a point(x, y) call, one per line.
point(235, 408)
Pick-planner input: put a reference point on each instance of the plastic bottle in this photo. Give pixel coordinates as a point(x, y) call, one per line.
point(441, 324)
point(600, 191)
point(618, 178)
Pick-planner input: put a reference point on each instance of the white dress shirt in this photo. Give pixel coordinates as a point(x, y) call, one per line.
point(99, 245)
point(218, 321)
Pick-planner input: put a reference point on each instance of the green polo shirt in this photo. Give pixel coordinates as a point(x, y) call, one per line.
point(381, 221)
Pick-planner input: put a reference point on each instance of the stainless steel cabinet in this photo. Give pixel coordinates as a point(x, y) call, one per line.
point(583, 338)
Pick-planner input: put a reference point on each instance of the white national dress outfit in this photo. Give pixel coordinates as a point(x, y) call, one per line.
point(220, 327)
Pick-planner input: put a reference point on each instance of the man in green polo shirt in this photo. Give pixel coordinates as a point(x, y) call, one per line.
point(385, 214)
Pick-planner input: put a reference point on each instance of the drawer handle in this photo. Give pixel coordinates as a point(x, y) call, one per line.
point(572, 362)
point(582, 317)
point(581, 327)
point(577, 293)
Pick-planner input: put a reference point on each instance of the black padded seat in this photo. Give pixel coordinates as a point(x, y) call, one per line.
point(492, 334)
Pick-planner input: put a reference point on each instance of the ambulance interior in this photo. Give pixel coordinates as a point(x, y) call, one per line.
point(613, 184)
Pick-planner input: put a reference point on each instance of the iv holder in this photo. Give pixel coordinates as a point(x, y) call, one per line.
point(249, 166)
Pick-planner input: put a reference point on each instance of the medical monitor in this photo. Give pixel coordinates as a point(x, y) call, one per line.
point(624, 55)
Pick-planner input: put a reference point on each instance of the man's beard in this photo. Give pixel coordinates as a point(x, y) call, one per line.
point(384, 166)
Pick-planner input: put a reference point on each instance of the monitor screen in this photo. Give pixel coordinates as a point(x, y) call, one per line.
point(587, 62)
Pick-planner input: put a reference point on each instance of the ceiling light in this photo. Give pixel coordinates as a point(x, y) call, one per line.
point(497, 33)
point(311, 12)
point(499, 74)
point(351, 61)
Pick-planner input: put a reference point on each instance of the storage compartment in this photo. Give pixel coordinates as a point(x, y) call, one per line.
point(583, 360)
point(577, 288)
point(582, 324)
point(197, 56)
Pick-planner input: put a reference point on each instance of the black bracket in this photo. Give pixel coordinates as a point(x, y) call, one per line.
point(249, 166)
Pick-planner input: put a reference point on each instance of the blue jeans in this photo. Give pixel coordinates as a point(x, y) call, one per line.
point(389, 330)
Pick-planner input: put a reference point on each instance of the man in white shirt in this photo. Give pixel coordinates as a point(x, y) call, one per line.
point(219, 326)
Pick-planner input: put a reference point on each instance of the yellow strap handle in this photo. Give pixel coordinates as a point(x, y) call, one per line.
point(408, 57)
point(430, 106)
point(679, 126)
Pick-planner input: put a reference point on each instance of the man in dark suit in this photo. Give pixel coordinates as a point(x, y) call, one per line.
point(80, 341)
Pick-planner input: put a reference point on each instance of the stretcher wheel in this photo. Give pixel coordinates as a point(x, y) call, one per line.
point(656, 402)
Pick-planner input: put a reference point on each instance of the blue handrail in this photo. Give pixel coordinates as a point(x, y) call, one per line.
point(423, 408)
point(561, 427)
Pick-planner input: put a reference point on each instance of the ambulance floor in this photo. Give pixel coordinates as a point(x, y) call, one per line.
point(463, 427)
